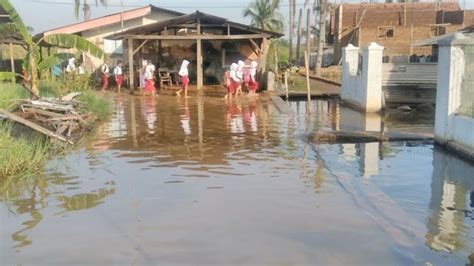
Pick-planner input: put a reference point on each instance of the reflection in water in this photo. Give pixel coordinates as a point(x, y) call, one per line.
point(187, 181)
point(185, 119)
point(149, 113)
point(84, 201)
point(451, 204)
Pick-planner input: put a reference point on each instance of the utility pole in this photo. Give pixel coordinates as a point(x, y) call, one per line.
point(121, 14)
point(322, 35)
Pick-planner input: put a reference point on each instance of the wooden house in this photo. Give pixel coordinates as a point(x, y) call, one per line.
point(209, 42)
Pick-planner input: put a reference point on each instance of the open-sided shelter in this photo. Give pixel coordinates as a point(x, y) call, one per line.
point(209, 42)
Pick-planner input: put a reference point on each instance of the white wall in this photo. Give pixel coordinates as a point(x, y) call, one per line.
point(450, 126)
point(362, 83)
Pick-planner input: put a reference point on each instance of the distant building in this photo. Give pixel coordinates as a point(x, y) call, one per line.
point(396, 26)
point(96, 29)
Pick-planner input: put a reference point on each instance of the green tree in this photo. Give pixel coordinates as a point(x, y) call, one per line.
point(86, 8)
point(33, 61)
point(265, 14)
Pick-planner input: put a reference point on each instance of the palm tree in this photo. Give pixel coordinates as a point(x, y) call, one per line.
point(86, 7)
point(33, 61)
point(265, 14)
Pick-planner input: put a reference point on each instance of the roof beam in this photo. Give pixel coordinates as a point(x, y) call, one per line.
point(198, 37)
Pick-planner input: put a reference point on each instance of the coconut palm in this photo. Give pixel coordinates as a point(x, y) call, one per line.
point(265, 14)
point(86, 8)
point(33, 61)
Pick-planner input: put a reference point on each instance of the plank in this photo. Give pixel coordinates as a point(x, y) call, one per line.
point(34, 126)
point(199, 37)
point(70, 96)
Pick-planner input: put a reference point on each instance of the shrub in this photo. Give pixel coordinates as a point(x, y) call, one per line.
point(98, 105)
point(11, 93)
point(20, 157)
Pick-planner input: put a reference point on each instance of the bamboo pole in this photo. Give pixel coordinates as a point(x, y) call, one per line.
point(308, 87)
point(12, 62)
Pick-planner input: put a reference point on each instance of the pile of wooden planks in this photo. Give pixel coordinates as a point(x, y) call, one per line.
point(55, 118)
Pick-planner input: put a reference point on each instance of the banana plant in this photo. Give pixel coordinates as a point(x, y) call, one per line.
point(33, 62)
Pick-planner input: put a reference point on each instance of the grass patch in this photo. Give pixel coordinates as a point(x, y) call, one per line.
point(20, 157)
point(10, 93)
point(98, 105)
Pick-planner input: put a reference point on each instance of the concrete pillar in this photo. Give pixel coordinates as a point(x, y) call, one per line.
point(362, 83)
point(450, 76)
point(372, 77)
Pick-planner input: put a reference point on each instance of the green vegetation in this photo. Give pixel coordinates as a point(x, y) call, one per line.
point(10, 94)
point(20, 157)
point(34, 62)
point(265, 14)
point(99, 106)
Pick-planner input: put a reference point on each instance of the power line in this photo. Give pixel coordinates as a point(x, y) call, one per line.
point(164, 6)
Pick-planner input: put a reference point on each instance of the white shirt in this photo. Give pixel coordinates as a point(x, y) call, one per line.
point(105, 69)
point(118, 71)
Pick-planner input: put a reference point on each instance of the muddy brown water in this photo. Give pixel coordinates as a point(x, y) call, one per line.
point(198, 181)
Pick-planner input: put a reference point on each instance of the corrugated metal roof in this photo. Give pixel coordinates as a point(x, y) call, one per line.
point(205, 18)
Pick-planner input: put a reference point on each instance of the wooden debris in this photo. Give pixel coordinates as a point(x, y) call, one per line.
point(70, 96)
point(34, 126)
point(55, 118)
point(366, 136)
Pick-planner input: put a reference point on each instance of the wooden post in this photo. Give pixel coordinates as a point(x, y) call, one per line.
point(276, 60)
point(286, 85)
point(308, 33)
point(131, 74)
point(263, 54)
point(223, 57)
point(12, 61)
point(199, 58)
point(298, 38)
point(308, 87)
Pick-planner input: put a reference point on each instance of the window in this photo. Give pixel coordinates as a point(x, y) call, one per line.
point(437, 31)
point(386, 32)
point(113, 47)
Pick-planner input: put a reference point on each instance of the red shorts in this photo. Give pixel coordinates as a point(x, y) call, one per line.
point(232, 87)
point(119, 79)
point(185, 80)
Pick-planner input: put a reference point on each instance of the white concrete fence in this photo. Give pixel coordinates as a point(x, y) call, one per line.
point(453, 127)
point(362, 77)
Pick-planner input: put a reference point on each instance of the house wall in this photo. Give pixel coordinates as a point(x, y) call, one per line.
point(410, 22)
point(97, 35)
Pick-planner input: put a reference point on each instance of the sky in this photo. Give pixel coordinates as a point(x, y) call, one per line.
point(48, 14)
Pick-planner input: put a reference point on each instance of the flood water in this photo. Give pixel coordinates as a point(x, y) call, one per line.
point(198, 181)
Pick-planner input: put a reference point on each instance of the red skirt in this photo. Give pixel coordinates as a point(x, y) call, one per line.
point(119, 79)
point(105, 81)
point(233, 86)
point(253, 85)
point(185, 81)
point(150, 85)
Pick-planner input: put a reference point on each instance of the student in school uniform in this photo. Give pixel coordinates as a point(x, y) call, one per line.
point(105, 72)
point(184, 74)
point(118, 73)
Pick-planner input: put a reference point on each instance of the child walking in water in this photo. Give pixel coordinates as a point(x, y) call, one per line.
point(233, 82)
point(240, 75)
point(150, 79)
point(184, 74)
point(252, 81)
